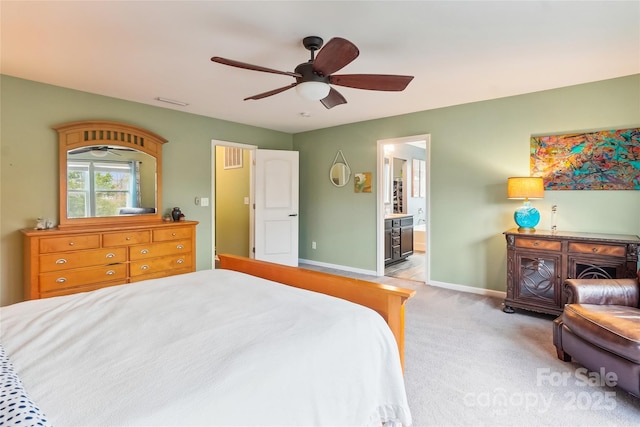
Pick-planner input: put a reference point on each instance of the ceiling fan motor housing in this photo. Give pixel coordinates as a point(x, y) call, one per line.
point(308, 75)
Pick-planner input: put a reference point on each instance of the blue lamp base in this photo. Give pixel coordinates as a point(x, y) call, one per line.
point(527, 217)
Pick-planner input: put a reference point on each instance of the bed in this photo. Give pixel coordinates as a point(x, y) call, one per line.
point(229, 346)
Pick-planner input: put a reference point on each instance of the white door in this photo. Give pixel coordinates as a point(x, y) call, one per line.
point(276, 206)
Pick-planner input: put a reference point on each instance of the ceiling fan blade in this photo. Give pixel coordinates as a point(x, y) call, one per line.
point(334, 98)
point(372, 81)
point(271, 92)
point(246, 66)
point(337, 53)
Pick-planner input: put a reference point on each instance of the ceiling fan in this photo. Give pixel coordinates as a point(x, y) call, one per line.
point(313, 78)
point(98, 150)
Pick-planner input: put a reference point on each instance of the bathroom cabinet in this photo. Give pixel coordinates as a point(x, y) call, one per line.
point(398, 238)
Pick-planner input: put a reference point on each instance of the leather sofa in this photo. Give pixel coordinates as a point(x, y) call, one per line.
point(600, 328)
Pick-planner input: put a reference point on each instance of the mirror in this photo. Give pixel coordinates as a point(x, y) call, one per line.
point(340, 172)
point(108, 180)
point(109, 173)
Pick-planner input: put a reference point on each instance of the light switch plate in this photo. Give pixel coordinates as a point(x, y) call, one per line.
point(204, 201)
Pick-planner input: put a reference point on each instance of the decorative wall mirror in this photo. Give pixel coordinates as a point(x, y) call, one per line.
point(110, 173)
point(340, 172)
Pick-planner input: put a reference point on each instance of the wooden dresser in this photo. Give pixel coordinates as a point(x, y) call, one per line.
point(538, 263)
point(78, 259)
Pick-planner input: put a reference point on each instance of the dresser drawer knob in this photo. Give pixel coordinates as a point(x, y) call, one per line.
point(144, 267)
point(127, 238)
point(61, 280)
point(180, 247)
point(180, 261)
point(536, 243)
point(111, 272)
point(173, 234)
point(70, 243)
point(61, 261)
point(111, 255)
point(144, 251)
point(594, 250)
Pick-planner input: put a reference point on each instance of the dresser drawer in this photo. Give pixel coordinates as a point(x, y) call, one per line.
point(152, 250)
point(69, 260)
point(82, 276)
point(598, 249)
point(159, 274)
point(69, 243)
point(125, 238)
point(547, 245)
point(174, 233)
point(155, 265)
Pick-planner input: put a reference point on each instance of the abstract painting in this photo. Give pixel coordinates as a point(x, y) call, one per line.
point(602, 160)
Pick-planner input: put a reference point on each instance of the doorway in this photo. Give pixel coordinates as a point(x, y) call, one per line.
point(232, 197)
point(255, 218)
point(403, 191)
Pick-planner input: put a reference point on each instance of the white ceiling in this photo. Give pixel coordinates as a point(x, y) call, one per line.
point(459, 52)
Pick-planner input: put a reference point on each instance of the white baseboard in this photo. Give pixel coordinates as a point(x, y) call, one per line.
point(338, 267)
point(452, 286)
point(469, 289)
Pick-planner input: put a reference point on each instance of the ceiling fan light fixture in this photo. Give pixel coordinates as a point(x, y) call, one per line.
point(98, 153)
point(313, 91)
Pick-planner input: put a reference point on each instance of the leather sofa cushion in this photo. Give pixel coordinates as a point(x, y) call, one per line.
point(614, 328)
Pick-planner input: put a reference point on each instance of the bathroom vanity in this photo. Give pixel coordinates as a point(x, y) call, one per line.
point(398, 237)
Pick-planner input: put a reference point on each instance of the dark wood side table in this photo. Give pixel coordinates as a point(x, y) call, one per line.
point(539, 262)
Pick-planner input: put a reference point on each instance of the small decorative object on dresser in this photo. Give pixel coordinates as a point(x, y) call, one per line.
point(175, 214)
point(538, 263)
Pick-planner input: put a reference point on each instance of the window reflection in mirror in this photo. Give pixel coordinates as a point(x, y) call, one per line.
point(340, 174)
point(107, 181)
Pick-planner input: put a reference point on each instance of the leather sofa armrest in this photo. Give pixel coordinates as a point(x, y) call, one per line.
point(601, 291)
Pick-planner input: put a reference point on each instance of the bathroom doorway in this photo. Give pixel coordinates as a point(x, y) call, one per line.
point(403, 197)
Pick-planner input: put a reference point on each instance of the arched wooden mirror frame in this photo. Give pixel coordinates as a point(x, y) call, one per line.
point(99, 132)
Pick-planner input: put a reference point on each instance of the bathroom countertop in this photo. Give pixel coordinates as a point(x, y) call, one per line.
point(391, 216)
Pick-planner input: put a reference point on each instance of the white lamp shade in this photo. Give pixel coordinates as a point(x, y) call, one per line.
point(313, 91)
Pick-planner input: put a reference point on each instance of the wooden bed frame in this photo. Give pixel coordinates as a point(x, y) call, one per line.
point(387, 300)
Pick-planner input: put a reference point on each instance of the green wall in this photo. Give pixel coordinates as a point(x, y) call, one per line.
point(474, 148)
point(232, 215)
point(29, 168)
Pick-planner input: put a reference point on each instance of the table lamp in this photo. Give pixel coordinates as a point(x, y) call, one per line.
point(526, 187)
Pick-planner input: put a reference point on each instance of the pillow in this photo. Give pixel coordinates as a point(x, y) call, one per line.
point(15, 406)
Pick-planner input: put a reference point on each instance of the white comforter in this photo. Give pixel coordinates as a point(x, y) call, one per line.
point(214, 347)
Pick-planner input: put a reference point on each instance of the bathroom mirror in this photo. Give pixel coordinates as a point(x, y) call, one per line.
point(110, 173)
point(340, 172)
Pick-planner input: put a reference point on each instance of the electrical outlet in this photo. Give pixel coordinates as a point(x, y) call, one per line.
point(313, 245)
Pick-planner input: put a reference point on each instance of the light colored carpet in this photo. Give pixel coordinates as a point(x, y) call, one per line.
point(467, 363)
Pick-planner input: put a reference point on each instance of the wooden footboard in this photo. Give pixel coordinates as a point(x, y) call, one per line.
point(385, 299)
